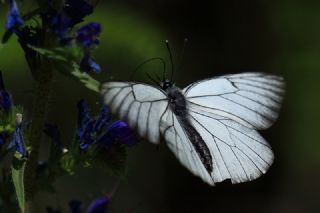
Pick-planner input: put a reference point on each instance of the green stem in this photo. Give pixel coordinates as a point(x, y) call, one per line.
point(39, 112)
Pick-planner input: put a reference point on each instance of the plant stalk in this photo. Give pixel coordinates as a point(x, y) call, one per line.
point(39, 112)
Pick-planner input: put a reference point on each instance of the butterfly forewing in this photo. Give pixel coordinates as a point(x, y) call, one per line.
point(140, 105)
point(252, 99)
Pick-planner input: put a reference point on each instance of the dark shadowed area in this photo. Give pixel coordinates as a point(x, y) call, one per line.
point(279, 37)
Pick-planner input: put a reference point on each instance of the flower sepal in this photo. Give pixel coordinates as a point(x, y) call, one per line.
point(19, 156)
point(17, 174)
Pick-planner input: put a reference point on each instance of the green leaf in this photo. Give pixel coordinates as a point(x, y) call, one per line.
point(51, 54)
point(17, 172)
point(69, 67)
point(86, 79)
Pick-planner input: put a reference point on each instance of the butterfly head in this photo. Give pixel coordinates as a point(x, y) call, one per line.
point(166, 84)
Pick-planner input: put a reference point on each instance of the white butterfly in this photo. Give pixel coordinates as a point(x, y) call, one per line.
point(211, 125)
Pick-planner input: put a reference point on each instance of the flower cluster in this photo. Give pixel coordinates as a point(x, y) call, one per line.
point(60, 22)
point(54, 42)
point(101, 131)
point(17, 140)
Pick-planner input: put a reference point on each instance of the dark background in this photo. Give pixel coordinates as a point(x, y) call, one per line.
point(280, 37)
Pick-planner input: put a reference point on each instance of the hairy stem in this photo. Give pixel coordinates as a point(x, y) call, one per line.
point(39, 112)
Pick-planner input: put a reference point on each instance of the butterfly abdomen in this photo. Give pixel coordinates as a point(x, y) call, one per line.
point(178, 105)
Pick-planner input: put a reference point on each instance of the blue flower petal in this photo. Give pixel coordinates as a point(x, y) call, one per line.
point(88, 136)
point(85, 145)
point(103, 120)
point(75, 206)
point(18, 142)
point(59, 22)
point(99, 205)
point(88, 35)
point(88, 64)
point(5, 97)
point(2, 139)
point(84, 118)
point(14, 19)
point(85, 125)
point(118, 132)
point(5, 100)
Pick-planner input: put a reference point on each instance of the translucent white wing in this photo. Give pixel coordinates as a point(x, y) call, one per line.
point(179, 143)
point(252, 99)
point(238, 152)
point(139, 104)
point(224, 111)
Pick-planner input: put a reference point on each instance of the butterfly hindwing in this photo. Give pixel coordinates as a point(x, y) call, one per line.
point(239, 153)
point(179, 143)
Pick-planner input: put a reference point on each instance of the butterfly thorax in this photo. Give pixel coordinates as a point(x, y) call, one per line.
point(177, 101)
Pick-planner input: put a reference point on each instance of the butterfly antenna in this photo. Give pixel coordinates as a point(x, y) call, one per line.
point(147, 61)
point(158, 77)
point(153, 80)
point(185, 41)
point(171, 58)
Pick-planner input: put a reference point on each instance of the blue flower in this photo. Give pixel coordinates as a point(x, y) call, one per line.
point(85, 125)
point(73, 13)
point(88, 64)
point(5, 97)
point(59, 22)
point(101, 131)
point(17, 139)
point(14, 19)
point(2, 139)
point(5, 100)
point(88, 35)
point(99, 205)
point(103, 119)
point(120, 132)
point(75, 206)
